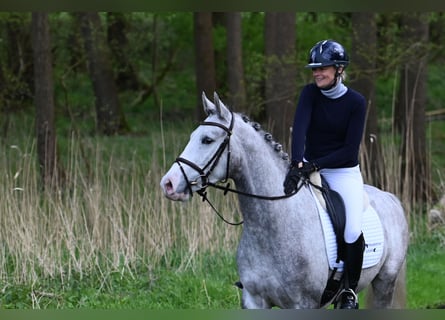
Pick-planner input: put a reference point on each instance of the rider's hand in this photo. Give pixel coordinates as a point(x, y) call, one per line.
point(307, 169)
point(297, 172)
point(291, 181)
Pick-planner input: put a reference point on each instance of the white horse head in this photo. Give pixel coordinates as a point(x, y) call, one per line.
point(205, 158)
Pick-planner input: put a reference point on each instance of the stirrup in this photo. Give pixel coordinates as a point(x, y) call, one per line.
point(348, 299)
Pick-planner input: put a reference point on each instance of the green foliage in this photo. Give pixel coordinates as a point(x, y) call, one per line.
point(436, 95)
point(167, 38)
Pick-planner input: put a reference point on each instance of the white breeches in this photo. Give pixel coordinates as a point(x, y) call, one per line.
point(348, 182)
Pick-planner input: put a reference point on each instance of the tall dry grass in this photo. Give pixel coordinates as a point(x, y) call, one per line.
point(397, 174)
point(109, 217)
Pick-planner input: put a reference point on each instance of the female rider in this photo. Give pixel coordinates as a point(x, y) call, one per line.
point(327, 131)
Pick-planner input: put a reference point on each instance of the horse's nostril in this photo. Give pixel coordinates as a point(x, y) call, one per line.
point(168, 186)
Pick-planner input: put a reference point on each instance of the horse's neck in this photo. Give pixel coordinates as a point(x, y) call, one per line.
point(263, 173)
point(287, 222)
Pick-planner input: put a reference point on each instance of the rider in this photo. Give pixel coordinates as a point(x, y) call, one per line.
point(327, 131)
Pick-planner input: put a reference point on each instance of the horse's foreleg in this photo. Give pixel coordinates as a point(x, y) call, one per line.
point(249, 301)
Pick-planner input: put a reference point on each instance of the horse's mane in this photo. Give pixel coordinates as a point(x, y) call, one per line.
point(276, 146)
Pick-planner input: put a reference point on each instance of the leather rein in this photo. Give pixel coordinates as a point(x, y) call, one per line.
point(211, 165)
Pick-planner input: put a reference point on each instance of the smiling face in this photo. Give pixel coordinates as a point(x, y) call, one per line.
point(324, 77)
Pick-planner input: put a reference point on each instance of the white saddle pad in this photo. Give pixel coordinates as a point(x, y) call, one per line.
point(372, 232)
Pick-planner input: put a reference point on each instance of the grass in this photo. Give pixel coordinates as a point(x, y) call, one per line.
point(426, 275)
point(163, 288)
point(206, 285)
point(436, 134)
point(110, 240)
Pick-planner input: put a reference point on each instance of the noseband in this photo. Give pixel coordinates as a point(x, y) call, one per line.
point(212, 163)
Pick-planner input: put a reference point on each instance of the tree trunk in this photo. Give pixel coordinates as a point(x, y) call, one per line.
point(204, 59)
point(411, 105)
point(220, 51)
point(74, 45)
point(280, 73)
point(437, 36)
point(18, 66)
point(110, 118)
point(363, 78)
point(44, 98)
point(126, 75)
point(235, 71)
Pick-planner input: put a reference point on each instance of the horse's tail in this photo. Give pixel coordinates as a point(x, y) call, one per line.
point(399, 296)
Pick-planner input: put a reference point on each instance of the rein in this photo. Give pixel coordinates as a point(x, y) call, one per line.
point(257, 196)
point(227, 189)
point(212, 163)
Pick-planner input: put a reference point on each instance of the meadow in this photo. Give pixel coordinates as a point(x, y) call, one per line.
point(108, 239)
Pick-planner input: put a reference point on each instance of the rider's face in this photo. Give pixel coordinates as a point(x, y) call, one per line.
point(324, 77)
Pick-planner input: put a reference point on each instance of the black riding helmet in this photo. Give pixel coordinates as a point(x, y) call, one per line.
point(327, 53)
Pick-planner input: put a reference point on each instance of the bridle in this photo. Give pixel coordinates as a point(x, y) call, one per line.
point(210, 166)
point(212, 163)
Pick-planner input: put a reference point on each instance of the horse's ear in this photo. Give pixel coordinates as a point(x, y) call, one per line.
point(222, 110)
point(209, 107)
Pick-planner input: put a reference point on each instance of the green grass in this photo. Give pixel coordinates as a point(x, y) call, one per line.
point(208, 283)
point(426, 275)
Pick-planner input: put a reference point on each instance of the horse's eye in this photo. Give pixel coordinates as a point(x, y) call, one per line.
point(207, 140)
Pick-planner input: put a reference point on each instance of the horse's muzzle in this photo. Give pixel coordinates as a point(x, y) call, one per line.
point(170, 185)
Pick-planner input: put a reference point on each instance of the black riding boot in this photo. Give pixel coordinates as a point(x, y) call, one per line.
point(353, 267)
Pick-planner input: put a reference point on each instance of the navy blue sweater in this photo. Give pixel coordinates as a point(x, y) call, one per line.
point(328, 131)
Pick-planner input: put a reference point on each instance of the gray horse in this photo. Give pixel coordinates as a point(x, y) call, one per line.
point(282, 257)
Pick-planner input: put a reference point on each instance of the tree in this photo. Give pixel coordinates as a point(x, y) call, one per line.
point(109, 115)
point(44, 98)
point(204, 58)
point(126, 75)
point(363, 77)
point(280, 72)
point(17, 79)
point(235, 71)
point(411, 106)
point(437, 36)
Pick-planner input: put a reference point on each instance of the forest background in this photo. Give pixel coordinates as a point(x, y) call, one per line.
point(95, 107)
